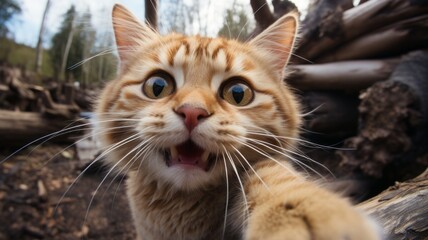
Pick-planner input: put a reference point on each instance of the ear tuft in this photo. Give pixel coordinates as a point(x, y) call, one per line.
point(129, 32)
point(278, 40)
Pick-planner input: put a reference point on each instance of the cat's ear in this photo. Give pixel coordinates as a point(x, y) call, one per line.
point(129, 32)
point(278, 40)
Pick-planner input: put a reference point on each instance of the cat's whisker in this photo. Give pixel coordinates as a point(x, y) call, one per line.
point(288, 156)
point(227, 196)
point(83, 138)
point(246, 206)
point(251, 167)
point(143, 146)
point(263, 153)
point(104, 153)
point(108, 173)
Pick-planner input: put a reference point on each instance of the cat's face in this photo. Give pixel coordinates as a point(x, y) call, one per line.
point(186, 110)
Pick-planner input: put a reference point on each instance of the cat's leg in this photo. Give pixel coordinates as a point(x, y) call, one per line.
point(286, 206)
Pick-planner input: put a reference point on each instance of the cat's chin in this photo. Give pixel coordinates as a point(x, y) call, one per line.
point(189, 156)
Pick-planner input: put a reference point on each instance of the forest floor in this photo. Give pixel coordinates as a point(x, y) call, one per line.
point(35, 203)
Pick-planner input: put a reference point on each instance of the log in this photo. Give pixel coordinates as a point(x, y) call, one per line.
point(396, 39)
point(402, 209)
point(332, 115)
point(350, 76)
point(263, 15)
point(393, 120)
point(19, 128)
point(354, 24)
point(324, 19)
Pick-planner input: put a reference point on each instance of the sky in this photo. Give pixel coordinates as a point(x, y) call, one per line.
point(26, 26)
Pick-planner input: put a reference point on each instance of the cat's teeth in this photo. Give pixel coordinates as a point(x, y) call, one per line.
point(174, 153)
point(205, 156)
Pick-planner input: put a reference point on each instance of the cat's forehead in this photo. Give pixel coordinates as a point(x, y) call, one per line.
point(211, 54)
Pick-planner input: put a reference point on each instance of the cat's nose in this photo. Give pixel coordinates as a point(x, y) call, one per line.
point(192, 115)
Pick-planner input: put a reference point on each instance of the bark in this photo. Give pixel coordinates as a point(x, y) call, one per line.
point(347, 75)
point(324, 19)
point(151, 11)
point(398, 38)
point(391, 143)
point(402, 209)
point(355, 21)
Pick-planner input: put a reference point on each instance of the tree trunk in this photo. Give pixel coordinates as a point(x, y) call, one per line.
point(39, 48)
point(151, 11)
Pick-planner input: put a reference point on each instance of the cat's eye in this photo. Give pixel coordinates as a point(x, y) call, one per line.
point(237, 92)
point(159, 85)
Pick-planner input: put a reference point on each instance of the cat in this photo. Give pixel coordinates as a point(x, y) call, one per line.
point(204, 128)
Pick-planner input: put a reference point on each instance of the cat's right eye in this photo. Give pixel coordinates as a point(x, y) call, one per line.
point(159, 85)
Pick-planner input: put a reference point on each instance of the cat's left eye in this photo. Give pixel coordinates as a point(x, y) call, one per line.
point(158, 86)
point(237, 92)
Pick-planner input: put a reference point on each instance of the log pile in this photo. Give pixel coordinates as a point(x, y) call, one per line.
point(362, 73)
point(29, 111)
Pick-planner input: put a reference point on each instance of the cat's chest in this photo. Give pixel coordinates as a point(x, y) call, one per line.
point(158, 212)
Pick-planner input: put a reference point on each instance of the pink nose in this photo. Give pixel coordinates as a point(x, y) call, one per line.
point(192, 115)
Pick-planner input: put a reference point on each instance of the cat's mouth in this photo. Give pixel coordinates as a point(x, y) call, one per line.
point(189, 155)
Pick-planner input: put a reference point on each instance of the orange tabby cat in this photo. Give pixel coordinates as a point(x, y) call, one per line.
point(204, 128)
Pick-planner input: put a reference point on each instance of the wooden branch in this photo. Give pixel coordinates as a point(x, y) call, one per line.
point(402, 209)
point(262, 13)
point(355, 23)
point(151, 11)
point(395, 39)
point(348, 75)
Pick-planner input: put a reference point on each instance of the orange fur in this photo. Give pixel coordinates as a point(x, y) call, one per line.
point(248, 188)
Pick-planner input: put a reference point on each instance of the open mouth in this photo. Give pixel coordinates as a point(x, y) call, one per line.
point(189, 155)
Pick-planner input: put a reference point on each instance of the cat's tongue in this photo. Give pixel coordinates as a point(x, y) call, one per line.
point(188, 154)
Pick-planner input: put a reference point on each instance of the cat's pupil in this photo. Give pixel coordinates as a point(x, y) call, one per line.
point(158, 86)
point(238, 93)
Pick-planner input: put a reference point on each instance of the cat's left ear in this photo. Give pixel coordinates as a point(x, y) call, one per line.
point(129, 32)
point(278, 40)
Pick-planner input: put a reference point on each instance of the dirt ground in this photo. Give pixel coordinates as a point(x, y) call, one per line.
point(32, 184)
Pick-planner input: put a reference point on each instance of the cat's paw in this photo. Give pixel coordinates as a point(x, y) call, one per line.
point(315, 217)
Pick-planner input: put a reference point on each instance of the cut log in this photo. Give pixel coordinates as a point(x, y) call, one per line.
point(396, 39)
point(20, 128)
point(393, 125)
point(351, 76)
point(402, 209)
point(355, 21)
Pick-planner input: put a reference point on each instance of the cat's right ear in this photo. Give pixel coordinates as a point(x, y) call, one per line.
point(129, 32)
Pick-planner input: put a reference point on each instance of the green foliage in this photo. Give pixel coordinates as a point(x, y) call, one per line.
point(21, 55)
point(235, 24)
point(8, 8)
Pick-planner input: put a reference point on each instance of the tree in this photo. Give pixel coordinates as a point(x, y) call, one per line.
point(236, 25)
point(8, 9)
point(39, 48)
